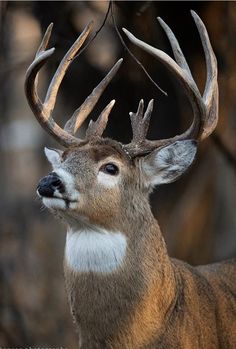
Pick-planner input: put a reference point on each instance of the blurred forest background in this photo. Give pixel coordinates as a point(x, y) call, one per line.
point(197, 214)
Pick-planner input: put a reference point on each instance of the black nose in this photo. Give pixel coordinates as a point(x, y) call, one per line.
point(47, 185)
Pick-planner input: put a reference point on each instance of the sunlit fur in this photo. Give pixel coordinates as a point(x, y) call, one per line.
point(148, 300)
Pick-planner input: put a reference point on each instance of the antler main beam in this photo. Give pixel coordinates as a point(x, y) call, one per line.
point(205, 108)
point(43, 110)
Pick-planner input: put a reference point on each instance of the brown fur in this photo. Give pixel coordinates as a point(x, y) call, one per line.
point(151, 301)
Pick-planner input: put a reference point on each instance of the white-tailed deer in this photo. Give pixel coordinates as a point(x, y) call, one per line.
point(124, 290)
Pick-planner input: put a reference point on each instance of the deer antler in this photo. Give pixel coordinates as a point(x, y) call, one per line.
point(205, 108)
point(43, 111)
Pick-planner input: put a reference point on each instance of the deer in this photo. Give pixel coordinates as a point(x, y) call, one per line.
point(123, 288)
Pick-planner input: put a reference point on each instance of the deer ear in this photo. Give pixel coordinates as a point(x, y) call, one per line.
point(168, 163)
point(53, 156)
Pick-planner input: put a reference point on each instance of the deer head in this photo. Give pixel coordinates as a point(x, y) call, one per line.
point(99, 181)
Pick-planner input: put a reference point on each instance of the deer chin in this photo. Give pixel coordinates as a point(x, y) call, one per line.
point(62, 204)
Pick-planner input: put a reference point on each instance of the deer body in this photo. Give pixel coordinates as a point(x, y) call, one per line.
point(124, 291)
point(169, 305)
point(152, 301)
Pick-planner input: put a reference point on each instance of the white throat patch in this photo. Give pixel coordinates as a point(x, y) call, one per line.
point(98, 251)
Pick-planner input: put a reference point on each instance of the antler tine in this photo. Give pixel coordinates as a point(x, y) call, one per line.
point(51, 95)
point(147, 116)
point(205, 109)
point(135, 120)
point(178, 54)
point(211, 94)
point(140, 123)
point(78, 117)
point(96, 128)
point(45, 40)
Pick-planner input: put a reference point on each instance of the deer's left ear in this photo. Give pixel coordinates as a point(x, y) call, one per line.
point(167, 164)
point(53, 156)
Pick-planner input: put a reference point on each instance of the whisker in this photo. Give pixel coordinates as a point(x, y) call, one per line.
point(42, 208)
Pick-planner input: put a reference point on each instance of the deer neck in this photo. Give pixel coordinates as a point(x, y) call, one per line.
point(115, 278)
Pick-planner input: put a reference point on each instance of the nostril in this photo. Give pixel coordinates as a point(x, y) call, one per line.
point(44, 190)
point(56, 182)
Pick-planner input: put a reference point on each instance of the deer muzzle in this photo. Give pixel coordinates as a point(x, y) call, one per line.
point(48, 185)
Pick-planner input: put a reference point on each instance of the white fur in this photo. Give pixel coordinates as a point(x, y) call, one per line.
point(98, 251)
point(54, 203)
point(57, 194)
point(107, 180)
point(68, 180)
point(53, 156)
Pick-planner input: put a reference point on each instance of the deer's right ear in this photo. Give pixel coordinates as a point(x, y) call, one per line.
point(53, 156)
point(167, 164)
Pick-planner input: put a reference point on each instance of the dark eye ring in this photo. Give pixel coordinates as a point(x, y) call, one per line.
point(110, 169)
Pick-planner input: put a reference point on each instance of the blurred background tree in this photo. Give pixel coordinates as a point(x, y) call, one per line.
point(197, 214)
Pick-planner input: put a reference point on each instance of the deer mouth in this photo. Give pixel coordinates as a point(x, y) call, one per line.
point(59, 203)
point(55, 198)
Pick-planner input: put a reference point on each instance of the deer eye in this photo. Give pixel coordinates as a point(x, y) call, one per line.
point(110, 169)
